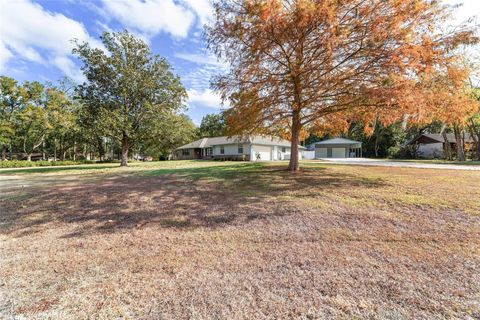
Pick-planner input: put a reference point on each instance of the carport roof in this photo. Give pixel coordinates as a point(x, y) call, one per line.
point(337, 141)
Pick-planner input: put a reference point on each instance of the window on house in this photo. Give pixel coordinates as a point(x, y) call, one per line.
point(284, 149)
point(208, 151)
point(185, 152)
point(240, 148)
point(222, 150)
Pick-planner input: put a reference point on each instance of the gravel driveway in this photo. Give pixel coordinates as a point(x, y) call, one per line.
point(401, 164)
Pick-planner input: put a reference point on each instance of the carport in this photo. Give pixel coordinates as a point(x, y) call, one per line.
point(338, 148)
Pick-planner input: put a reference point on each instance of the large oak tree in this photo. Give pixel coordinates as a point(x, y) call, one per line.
point(312, 64)
point(129, 90)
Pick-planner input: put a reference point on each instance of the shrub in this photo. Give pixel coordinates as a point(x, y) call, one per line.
point(403, 152)
point(25, 164)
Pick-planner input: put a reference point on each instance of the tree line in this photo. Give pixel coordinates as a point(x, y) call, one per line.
point(369, 69)
point(131, 101)
point(391, 141)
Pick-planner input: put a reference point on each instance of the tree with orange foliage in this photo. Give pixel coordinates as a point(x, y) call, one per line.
point(306, 64)
point(449, 99)
point(473, 124)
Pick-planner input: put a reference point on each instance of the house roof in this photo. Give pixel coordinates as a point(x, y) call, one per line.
point(427, 138)
point(337, 141)
point(271, 141)
point(195, 144)
point(262, 140)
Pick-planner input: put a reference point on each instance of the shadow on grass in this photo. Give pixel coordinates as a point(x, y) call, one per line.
point(208, 197)
point(221, 172)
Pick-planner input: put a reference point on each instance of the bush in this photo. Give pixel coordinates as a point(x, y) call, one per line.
point(403, 152)
point(25, 164)
point(108, 161)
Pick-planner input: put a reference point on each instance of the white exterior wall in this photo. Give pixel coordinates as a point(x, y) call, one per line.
point(338, 152)
point(267, 153)
point(308, 155)
point(321, 152)
point(431, 150)
point(300, 156)
point(283, 155)
point(231, 149)
point(264, 152)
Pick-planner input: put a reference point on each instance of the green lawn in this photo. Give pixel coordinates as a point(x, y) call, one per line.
point(237, 240)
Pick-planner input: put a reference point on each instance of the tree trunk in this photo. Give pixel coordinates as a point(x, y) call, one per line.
point(29, 157)
point(4, 152)
point(100, 148)
point(43, 150)
point(124, 161)
point(475, 134)
point(74, 150)
point(476, 143)
point(447, 149)
point(63, 151)
point(293, 165)
point(459, 143)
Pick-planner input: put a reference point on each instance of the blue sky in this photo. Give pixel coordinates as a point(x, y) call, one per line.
point(35, 38)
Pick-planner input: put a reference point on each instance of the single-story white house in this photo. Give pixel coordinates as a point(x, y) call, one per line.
point(432, 145)
point(254, 148)
point(337, 148)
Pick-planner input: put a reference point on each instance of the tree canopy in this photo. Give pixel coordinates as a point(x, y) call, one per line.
point(320, 65)
point(129, 90)
point(212, 125)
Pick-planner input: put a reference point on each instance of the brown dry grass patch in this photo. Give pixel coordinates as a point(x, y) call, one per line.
point(241, 241)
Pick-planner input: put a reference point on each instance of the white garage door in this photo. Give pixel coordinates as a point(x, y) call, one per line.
point(262, 153)
point(338, 152)
point(321, 153)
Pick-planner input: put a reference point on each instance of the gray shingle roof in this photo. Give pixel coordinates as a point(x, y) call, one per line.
point(338, 141)
point(450, 137)
point(263, 140)
point(195, 144)
point(437, 137)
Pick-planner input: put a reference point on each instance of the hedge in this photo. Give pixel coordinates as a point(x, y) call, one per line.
point(24, 163)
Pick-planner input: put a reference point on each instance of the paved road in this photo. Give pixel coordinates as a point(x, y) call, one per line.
point(387, 163)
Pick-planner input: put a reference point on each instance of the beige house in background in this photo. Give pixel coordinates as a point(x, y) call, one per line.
point(254, 148)
point(432, 145)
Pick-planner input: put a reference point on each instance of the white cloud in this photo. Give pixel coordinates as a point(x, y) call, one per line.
point(203, 9)
point(5, 55)
point(198, 78)
point(200, 59)
point(30, 32)
point(152, 16)
point(196, 122)
point(206, 98)
point(468, 9)
point(69, 68)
